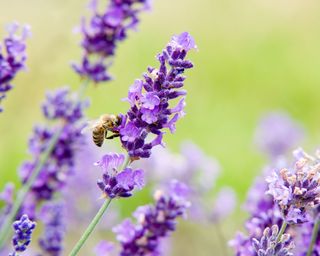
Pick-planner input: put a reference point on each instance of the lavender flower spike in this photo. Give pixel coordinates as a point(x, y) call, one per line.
point(296, 190)
point(60, 107)
point(102, 34)
point(51, 241)
point(269, 246)
point(277, 133)
point(149, 98)
point(13, 57)
point(153, 222)
point(117, 182)
point(23, 229)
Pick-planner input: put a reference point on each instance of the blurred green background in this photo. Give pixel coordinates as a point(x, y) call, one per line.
point(254, 56)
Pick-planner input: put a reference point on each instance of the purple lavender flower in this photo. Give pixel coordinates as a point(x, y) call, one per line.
point(61, 105)
point(296, 190)
point(23, 229)
point(224, 204)
point(13, 59)
point(7, 197)
point(277, 133)
point(153, 222)
point(303, 240)
point(60, 164)
point(52, 216)
point(104, 248)
point(102, 34)
point(269, 245)
point(149, 99)
point(116, 183)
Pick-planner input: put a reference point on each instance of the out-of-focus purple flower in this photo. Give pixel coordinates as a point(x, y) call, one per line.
point(149, 98)
point(224, 204)
point(296, 190)
point(153, 222)
point(23, 229)
point(61, 105)
point(199, 171)
point(277, 133)
point(51, 241)
point(269, 245)
point(13, 57)
point(242, 245)
point(102, 34)
point(116, 182)
point(7, 197)
point(60, 163)
point(104, 248)
point(303, 240)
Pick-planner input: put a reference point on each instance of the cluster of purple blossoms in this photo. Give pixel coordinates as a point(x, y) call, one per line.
point(296, 190)
point(52, 216)
point(59, 107)
point(153, 222)
point(7, 196)
point(263, 213)
point(23, 229)
point(197, 170)
point(102, 34)
point(277, 134)
point(117, 182)
point(272, 245)
point(14, 57)
point(104, 248)
point(149, 98)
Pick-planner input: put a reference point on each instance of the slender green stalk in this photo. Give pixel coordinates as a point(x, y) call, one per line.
point(90, 228)
point(5, 228)
point(282, 229)
point(314, 237)
point(221, 238)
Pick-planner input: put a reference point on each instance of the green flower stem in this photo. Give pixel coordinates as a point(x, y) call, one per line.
point(5, 228)
point(221, 238)
point(314, 237)
point(282, 229)
point(90, 228)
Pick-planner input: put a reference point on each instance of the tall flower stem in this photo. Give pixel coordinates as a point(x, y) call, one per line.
point(314, 237)
point(90, 228)
point(221, 238)
point(282, 229)
point(5, 228)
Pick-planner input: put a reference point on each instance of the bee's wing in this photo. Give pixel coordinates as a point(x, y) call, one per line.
point(90, 125)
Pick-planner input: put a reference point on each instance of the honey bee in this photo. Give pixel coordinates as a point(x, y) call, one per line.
point(101, 126)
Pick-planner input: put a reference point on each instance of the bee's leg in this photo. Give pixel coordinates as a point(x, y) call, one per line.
point(113, 136)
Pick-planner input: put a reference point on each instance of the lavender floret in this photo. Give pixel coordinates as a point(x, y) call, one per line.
point(269, 245)
point(23, 229)
point(296, 190)
point(13, 58)
point(116, 182)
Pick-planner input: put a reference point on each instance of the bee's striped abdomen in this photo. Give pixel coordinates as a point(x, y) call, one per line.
point(98, 135)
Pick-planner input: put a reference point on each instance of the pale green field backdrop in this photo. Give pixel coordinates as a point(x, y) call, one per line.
point(254, 56)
